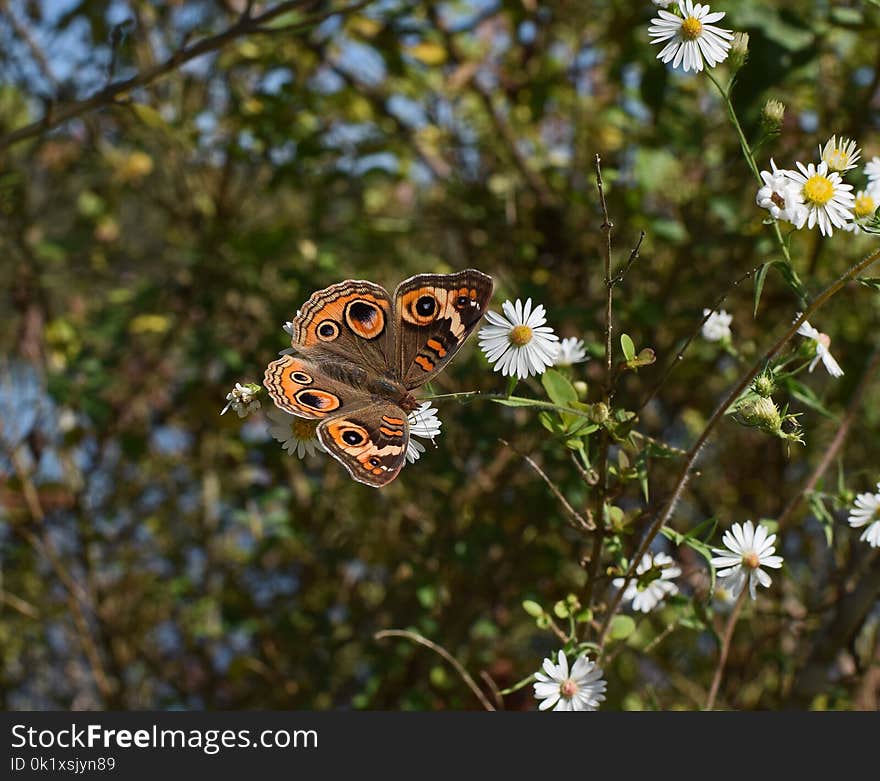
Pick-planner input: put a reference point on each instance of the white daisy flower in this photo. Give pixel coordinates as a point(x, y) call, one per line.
point(423, 422)
point(781, 195)
point(822, 342)
point(867, 512)
point(828, 200)
point(694, 36)
point(748, 549)
point(717, 327)
point(872, 169)
point(296, 435)
point(519, 344)
point(646, 594)
point(865, 206)
point(582, 689)
point(840, 155)
point(243, 399)
point(570, 351)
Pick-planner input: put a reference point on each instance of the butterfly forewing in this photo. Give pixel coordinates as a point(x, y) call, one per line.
point(435, 314)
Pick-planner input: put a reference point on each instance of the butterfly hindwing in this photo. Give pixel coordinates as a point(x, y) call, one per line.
point(370, 442)
point(434, 315)
point(306, 389)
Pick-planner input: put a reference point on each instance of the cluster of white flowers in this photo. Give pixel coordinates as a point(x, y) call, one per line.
point(647, 593)
point(582, 688)
point(242, 399)
point(815, 194)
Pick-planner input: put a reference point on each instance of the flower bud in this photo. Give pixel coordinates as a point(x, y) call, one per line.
point(739, 51)
point(764, 385)
point(599, 412)
point(772, 115)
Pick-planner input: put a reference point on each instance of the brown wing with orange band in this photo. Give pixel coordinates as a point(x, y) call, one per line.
point(435, 315)
point(370, 443)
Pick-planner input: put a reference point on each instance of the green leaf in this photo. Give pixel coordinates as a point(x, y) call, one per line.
point(826, 520)
point(759, 284)
point(533, 608)
point(629, 349)
point(558, 387)
point(621, 627)
point(561, 609)
point(806, 396)
point(516, 402)
point(788, 274)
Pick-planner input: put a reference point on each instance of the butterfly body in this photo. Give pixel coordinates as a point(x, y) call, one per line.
point(357, 354)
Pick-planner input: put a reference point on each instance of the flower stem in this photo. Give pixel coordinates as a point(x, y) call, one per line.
point(725, 647)
point(693, 454)
point(748, 154)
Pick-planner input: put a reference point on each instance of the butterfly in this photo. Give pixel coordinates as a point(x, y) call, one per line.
point(357, 353)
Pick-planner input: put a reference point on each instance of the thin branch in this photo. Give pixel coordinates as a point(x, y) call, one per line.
point(633, 257)
point(21, 605)
point(577, 520)
point(37, 53)
point(602, 483)
point(77, 596)
point(837, 443)
point(439, 649)
point(680, 354)
point(493, 687)
point(716, 418)
point(725, 648)
point(246, 25)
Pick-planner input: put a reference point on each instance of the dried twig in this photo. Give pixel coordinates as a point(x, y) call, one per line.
point(439, 649)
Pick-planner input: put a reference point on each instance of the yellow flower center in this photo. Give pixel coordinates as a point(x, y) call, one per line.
point(304, 429)
point(691, 28)
point(865, 206)
point(818, 190)
point(568, 689)
point(520, 336)
point(751, 560)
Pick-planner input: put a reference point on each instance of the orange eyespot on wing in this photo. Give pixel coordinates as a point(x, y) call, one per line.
point(420, 306)
point(436, 313)
point(361, 307)
point(371, 451)
point(365, 317)
point(291, 384)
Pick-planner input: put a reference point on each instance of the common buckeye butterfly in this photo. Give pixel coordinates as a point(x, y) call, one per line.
point(357, 353)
